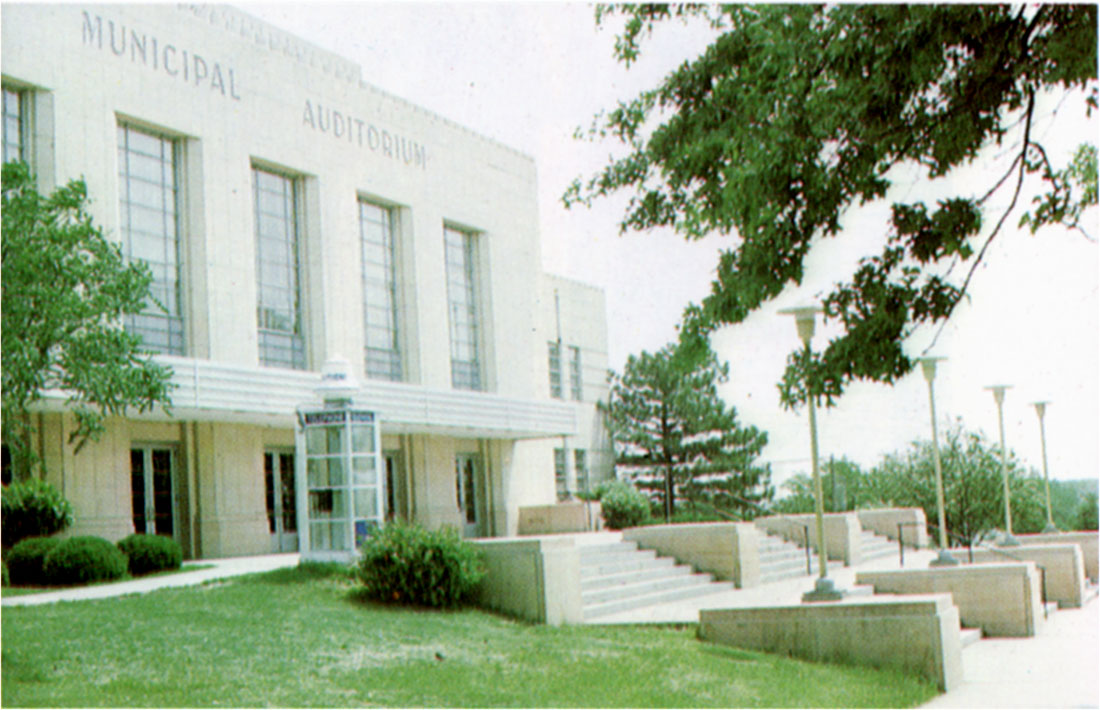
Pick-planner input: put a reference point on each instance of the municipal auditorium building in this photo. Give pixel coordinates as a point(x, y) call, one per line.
point(293, 215)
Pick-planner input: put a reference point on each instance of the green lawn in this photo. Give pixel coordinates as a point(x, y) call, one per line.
point(300, 638)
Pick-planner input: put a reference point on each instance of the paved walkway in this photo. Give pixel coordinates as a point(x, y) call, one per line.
point(222, 568)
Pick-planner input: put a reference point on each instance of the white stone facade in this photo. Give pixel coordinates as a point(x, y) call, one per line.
point(238, 107)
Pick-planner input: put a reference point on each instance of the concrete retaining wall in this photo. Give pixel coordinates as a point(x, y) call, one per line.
point(1089, 542)
point(572, 517)
point(729, 551)
point(914, 634)
point(537, 579)
point(1000, 599)
point(841, 533)
point(1065, 569)
point(885, 522)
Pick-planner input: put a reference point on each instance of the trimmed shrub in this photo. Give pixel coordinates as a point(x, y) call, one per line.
point(150, 553)
point(33, 508)
point(407, 564)
point(26, 559)
point(623, 505)
point(80, 560)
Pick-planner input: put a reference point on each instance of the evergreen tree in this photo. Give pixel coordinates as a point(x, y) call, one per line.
point(676, 438)
point(65, 291)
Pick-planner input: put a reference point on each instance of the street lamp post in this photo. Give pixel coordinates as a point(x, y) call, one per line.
point(1040, 409)
point(928, 367)
point(999, 398)
point(824, 589)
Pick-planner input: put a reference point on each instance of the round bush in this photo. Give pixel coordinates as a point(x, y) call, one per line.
point(80, 560)
point(150, 553)
point(623, 505)
point(407, 564)
point(26, 559)
point(33, 508)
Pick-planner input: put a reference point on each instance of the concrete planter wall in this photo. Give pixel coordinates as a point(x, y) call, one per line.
point(536, 579)
point(571, 517)
point(1089, 543)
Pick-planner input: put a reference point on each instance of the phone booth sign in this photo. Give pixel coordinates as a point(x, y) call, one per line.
point(340, 492)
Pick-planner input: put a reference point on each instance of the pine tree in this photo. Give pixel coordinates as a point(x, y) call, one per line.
point(676, 438)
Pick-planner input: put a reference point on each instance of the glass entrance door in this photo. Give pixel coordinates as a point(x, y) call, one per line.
point(282, 515)
point(153, 499)
point(467, 473)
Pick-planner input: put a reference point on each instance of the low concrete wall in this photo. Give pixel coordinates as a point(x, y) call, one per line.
point(574, 516)
point(914, 634)
point(841, 533)
point(729, 551)
point(885, 522)
point(1065, 570)
point(1000, 599)
point(537, 579)
point(1089, 542)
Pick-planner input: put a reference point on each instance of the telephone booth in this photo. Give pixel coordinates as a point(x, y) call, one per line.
point(340, 479)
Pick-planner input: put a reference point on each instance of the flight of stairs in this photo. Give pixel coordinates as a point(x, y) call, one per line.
point(617, 576)
point(872, 546)
point(780, 559)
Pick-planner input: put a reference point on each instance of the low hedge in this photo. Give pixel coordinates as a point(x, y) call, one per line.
point(150, 553)
point(407, 564)
point(79, 560)
point(33, 508)
point(27, 558)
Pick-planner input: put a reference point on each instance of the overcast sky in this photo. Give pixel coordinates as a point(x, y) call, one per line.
point(529, 74)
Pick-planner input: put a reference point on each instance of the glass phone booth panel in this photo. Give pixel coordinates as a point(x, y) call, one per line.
point(340, 490)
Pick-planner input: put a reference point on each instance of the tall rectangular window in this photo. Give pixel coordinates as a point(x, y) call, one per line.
point(14, 125)
point(379, 272)
point(554, 355)
point(580, 466)
point(278, 287)
point(575, 372)
point(149, 212)
point(560, 480)
point(462, 295)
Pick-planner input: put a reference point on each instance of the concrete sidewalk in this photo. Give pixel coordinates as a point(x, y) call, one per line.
point(222, 568)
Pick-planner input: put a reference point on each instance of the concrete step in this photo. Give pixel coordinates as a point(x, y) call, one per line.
point(642, 562)
point(787, 570)
point(969, 636)
point(601, 558)
point(588, 551)
point(612, 580)
point(668, 595)
point(643, 588)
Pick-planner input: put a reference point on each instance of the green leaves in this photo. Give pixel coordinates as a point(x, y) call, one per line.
point(66, 289)
point(795, 113)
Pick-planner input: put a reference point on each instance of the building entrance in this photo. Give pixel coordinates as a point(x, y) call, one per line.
point(152, 489)
point(467, 474)
point(282, 515)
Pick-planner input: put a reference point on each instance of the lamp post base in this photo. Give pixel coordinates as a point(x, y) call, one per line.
point(1051, 528)
point(1008, 541)
point(944, 559)
point(823, 591)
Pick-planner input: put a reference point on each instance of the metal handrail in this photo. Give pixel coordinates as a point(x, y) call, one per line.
point(809, 557)
point(901, 540)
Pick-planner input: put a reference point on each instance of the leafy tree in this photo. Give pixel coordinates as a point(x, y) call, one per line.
point(972, 484)
point(65, 291)
point(675, 437)
point(844, 486)
point(1088, 515)
point(795, 113)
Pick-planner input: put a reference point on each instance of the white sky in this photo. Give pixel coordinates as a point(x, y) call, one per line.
point(528, 74)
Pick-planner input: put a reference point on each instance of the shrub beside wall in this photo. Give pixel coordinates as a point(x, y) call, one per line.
point(407, 564)
point(80, 560)
point(26, 560)
point(150, 553)
point(624, 506)
point(33, 508)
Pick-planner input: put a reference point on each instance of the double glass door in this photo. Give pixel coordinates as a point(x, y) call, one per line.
point(152, 489)
point(282, 514)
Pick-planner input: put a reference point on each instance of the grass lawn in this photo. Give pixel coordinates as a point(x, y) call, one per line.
point(21, 591)
point(301, 638)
